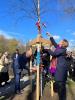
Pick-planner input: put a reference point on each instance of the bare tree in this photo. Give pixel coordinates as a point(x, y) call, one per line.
point(35, 9)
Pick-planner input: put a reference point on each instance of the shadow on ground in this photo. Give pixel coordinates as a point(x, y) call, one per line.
point(7, 92)
point(31, 95)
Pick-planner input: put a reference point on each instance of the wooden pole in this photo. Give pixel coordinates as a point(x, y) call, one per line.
point(52, 88)
point(41, 84)
point(38, 57)
point(31, 75)
point(37, 85)
point(37, 79)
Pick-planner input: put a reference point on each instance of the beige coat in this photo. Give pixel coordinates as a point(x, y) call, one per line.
point(3, 62)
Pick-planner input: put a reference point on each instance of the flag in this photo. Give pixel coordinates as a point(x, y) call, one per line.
point(38, 25)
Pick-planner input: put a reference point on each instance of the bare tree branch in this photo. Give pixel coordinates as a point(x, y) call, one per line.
point(29, 8)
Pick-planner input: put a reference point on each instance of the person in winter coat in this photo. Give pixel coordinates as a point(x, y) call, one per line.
point(1, 67)
point(16, 70)
point(19, 61)
point(24, 61)
point(4, 62)
point(61, 67)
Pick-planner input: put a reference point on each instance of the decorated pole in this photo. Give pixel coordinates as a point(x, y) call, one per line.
point(38, 54)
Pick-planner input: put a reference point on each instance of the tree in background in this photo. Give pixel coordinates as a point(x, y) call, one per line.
point(3, 44)
point(10, 45)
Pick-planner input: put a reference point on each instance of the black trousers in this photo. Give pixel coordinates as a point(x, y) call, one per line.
point(4, 77)
point(61, 89)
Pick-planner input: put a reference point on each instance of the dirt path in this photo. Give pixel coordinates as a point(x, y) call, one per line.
point(47, 94)
point(8, 92)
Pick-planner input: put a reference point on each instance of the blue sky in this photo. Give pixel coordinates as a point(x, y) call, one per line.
point(60, 25)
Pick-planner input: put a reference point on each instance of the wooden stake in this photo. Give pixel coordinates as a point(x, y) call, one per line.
point(37, 85)
point(52, 88)
point(41, 84)
point(37, 79)
point(31, 75)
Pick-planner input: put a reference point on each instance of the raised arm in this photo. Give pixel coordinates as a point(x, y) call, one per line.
point(53, 42)
point(52, 39)
point(57, 52)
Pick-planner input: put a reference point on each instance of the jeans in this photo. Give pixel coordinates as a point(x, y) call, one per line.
point(17, 82)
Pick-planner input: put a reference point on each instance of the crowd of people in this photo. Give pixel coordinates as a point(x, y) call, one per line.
point(56, 62)
point(18, 62)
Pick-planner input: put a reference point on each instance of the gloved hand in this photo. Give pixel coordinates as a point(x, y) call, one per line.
point(48, 34)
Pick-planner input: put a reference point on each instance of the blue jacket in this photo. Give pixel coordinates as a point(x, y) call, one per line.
point(61, 67)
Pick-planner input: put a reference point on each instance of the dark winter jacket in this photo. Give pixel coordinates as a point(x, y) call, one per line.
point(23, 61)
point(61, 67)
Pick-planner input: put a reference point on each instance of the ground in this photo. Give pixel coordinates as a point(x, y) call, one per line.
point(70, 92)
point(7, 92)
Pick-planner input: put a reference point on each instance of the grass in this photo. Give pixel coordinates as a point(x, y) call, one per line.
point(71, 83)
point(2, 97)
